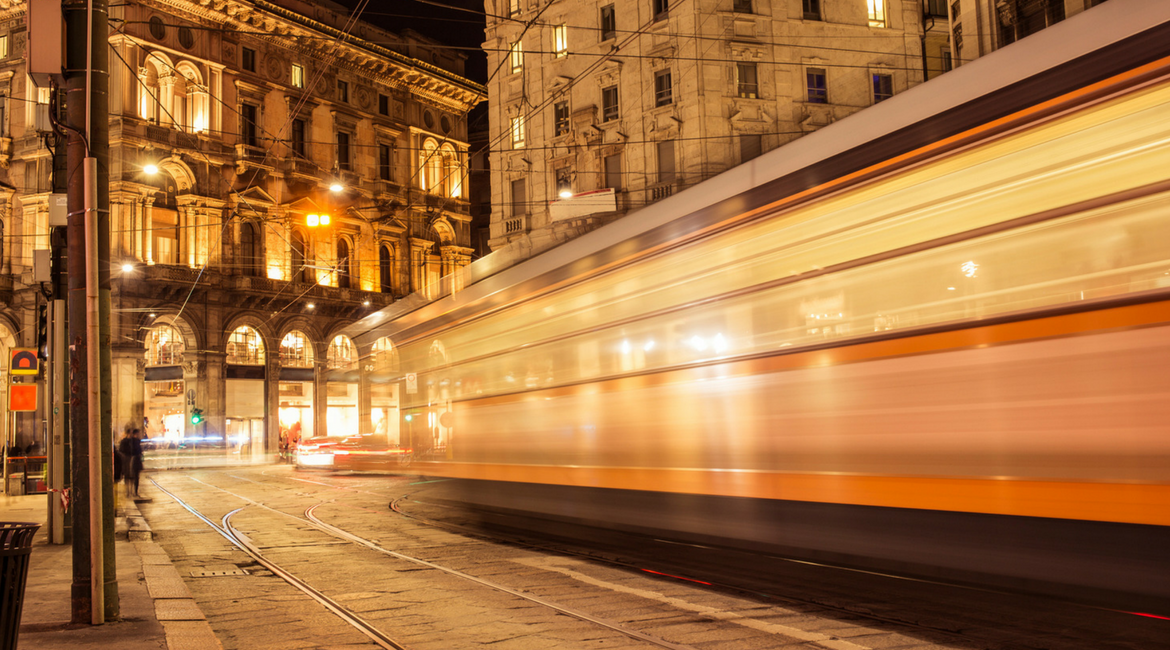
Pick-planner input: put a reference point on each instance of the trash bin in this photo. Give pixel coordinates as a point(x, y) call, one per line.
point(16, 484)
point(15, 547)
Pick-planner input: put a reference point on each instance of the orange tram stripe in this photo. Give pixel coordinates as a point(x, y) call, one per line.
point(1137, 503)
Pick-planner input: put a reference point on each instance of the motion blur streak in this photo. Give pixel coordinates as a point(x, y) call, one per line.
point(935, 348)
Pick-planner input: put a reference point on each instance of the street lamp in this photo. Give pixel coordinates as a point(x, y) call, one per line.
point(336, 187)
point(151, 169)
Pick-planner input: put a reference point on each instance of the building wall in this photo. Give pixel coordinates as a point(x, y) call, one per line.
point(714, 119)
point(207, 241)
point(979, 27)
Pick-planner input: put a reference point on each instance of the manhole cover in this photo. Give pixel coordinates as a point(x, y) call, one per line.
point(215, 574)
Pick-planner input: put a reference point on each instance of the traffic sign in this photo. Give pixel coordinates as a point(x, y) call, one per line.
point(24, 361)
point(22, 397)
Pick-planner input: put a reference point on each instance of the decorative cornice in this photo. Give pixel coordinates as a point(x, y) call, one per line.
point(283, 28)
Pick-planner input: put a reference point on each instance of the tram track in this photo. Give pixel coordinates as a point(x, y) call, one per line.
point(244, 543)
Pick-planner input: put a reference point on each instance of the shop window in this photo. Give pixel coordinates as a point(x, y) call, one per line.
point(341, 354)
point(296, 351)
point(245, 347)
point(164, 346)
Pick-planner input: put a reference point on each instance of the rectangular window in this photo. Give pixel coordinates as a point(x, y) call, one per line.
point(560, 41)
point(742, 6)
point(563, 179)
point(3, 116)
point(560, 118)
point(519, 198)
point(248, 59)
point(663, 94)
point(608, 23)
point(517, 56)
point(812, 9)
point(818, 88)
point(661, 7)
point(877, 13)
point(343, 91)
point(383, 105)
point(518, 132)
point(385, 168)
point(513, 7)
point(613, 171)
point(4, 46)
point(343, 151)
point(609, 104)
point(883, 87)
point(750, 146)
point(746, 80)
point(666, 161)
point(936, 8)
point(298, 137)
point(298, 76)
point(957, 39)
point(248, 128)
point(947, 64)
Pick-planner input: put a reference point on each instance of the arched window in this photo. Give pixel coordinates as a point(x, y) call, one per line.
point(300, 272)
point(386, 269)
point(432, 168)
point(344, 264)
point(385, 356)
point(164, 346)
point(296, 351)
point(245, 347)
point(149, 104)
point(341, 354)
point(250, 256)
point(452, 182)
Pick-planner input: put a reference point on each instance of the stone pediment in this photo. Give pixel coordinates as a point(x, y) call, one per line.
point(254, 197)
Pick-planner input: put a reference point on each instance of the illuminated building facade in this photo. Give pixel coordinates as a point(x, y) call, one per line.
point(236, 125)
point(599, 108)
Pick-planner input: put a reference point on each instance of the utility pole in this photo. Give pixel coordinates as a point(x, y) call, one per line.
point(94, 594)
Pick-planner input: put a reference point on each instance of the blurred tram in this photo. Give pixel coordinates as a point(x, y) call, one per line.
point(933, 338)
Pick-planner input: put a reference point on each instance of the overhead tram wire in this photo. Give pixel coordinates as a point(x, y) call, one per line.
point(666, 57)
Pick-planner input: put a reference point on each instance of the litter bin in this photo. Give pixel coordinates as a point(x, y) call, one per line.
point(16, 484)
point(15, 547)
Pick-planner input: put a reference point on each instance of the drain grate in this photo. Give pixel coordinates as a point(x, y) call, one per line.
point(216, 574)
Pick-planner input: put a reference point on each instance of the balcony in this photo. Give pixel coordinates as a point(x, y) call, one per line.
point(660, 191)
point(253, 157)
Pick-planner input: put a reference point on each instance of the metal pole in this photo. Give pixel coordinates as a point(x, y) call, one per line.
point(93, 348)
point(56, 392)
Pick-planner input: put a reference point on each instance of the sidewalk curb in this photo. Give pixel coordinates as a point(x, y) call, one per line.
point(183, 622)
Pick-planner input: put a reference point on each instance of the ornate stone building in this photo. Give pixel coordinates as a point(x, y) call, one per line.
point(979, 27)
point(272, 179)
point(601, 107)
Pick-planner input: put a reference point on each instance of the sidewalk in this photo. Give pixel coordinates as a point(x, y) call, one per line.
point(157, 611)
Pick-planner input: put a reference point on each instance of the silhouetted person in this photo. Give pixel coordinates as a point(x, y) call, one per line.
point(130, 448)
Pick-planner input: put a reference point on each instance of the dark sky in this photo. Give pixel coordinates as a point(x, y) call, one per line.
point(458, 23)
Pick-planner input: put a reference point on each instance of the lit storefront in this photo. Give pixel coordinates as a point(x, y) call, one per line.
point(341, 411)
point(244, 377)
point(384, 417)
point(296, 390)
point(165, 401)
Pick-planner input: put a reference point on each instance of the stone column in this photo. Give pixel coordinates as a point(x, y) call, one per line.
point(148, 229)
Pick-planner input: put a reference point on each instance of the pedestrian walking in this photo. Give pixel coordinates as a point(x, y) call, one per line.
point(130, 449)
